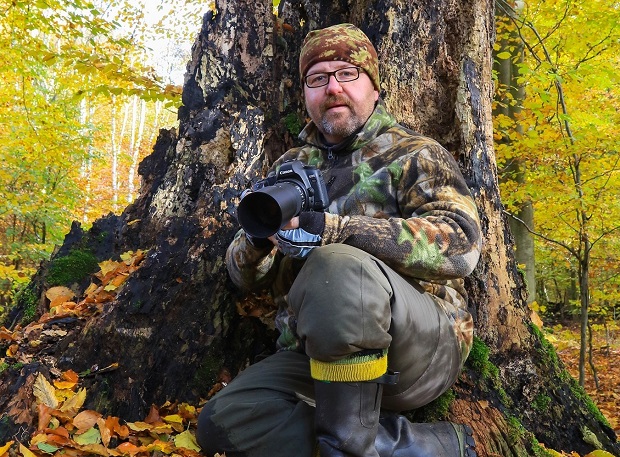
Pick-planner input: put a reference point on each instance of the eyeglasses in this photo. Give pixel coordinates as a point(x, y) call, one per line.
point(344, 75)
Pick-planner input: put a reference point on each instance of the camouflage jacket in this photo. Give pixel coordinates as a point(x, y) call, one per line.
point(393, 193)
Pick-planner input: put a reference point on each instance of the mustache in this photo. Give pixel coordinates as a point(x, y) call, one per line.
point(335, 100)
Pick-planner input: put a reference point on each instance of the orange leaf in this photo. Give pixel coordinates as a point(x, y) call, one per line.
point(58, 439)
point(45, 415)
point(113, 423)
point(86, 419)
point(59, 431)
point(6, 334)
point(129, 449)
point(59, 294)
point(106, 433)
point(12, 350)
point(64, 384)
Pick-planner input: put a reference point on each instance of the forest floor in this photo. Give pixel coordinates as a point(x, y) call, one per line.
point(605, 358)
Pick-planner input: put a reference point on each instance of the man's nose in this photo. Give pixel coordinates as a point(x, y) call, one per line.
point(333, 86)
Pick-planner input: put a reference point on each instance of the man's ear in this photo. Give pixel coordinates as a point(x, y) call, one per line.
point(376, 95)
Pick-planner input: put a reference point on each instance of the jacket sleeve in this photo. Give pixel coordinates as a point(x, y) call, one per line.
point(436, 236)
point(249, 267)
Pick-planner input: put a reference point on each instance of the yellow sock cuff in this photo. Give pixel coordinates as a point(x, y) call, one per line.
point(351, 369)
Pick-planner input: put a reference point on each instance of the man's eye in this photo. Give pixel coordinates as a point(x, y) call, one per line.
point(318, 78)
point(346, 73)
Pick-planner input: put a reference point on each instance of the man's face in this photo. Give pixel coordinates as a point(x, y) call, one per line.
point(339, 109)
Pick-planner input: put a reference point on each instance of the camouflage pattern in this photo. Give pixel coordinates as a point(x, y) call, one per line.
point(340, 42)
point(395, 194)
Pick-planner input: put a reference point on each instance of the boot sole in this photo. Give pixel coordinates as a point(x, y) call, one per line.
point(467, 443)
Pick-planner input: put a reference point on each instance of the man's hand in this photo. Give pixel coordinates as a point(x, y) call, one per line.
point(300, 235)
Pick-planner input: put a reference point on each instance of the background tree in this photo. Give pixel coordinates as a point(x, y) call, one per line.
point(568, 163)
point(177, 324)
point(67, 64)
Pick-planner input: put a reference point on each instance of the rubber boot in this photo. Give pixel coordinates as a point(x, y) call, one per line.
point(397, 437)
point(347, 418)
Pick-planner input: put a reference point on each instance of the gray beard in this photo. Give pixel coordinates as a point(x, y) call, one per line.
point(340, 127)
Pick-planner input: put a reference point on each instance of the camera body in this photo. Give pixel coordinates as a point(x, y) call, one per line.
point(306, 179)
point(284, 194)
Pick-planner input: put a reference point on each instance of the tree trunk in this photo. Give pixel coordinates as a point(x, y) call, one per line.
point(175, 326)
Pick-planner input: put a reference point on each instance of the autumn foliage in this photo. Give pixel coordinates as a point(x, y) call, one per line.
point(63, 427)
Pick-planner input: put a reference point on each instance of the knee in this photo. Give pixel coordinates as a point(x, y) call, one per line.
point(342, 300)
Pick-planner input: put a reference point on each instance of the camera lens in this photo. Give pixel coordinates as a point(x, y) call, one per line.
point(263, 212)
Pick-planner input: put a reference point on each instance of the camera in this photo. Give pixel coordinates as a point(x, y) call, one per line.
point(282, 195)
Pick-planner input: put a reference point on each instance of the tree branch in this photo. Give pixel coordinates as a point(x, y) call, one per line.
point(540, 235)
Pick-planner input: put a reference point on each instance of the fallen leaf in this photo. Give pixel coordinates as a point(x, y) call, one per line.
point(59, 294)
point(86, 419)
point(4, 449)
point(47, 448)
point(186, 440)
point(25, 451)
point(12, 350)
point(153, 416)
point(105, 431)
point(58, 431)
point(90, 436)
point(107, 266)
point(73, 404)
point(173, 418)
point(139, 426)
point(113, 423)
point(7, 335)
point(64, 384)
point(45, 392)
point(167, 447)
point(97, 449)
point(45, 415)
point(128, 449)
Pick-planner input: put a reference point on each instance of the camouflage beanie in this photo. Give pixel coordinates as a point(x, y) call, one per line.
point(340, 42)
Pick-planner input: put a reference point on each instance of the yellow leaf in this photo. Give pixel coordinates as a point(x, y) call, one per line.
point(186, 440)
point(45, 392)
point(108, 266)
point(163, 446)
point(25, 451)
point(74, 403)
point(91, 289)
point(4, 449)
point(59, 294)
point(599, 454)
point(125, 256)
point(138, 426)
point(174, 418)
point(96, 449)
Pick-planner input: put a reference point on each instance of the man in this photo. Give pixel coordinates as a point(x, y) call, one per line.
point(372, 309)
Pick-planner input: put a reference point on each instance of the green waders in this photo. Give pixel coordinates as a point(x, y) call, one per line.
point(350, 309)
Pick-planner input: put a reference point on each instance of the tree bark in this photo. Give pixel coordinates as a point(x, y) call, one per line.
point(175, 326)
